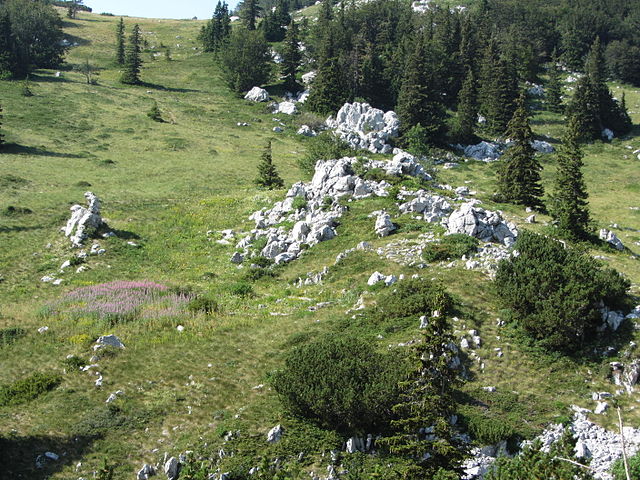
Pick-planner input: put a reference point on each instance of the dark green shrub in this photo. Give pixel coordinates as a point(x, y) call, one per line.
point(154, 113)
point(412, 298)
point(378, 175)
point(299, 203)
point(204, 305)
point(241, 289)
point(341, 383)
point(74, 363)
point(485, 429)
point(323, 147)
point(451, 246)
point(12, 211)
point(554, 293)
point(11, 334)
point(634, 468)
point(28, 388)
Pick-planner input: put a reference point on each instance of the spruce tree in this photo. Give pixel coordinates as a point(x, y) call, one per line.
point(329, 87)
point(423, 430)
point(291, 58)
point(249, 11)
point(1, 134)
point(569, 207)
point(519, 173)
point(120, 42)
point(132, 62)
point(419, 101)
point(467, 114)
point(553, 94)
point(267, 174)
point(8, 65)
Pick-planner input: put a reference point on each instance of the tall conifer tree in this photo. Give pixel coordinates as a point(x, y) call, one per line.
point(291, 57)
point(569, 207)
point(249, 11)
point(267, 174)
point(132, 61)
point(467, 113)
point(553, 94)
point(329, 87)
point(519, 174)
point(423, 430)
point(120, 42)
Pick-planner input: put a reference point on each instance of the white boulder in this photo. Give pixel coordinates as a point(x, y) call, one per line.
point(483, 224)
point(483, 151)
point(306, 131)
point(611, 238)
point(257, 94)
point(607, 134)
point(275, 434)
point(108, 340)
point(83, 219)
point(384, 226)
point(288, 108)
point(309, 77)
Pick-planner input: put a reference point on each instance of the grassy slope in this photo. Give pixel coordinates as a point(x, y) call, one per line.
point(168, 184)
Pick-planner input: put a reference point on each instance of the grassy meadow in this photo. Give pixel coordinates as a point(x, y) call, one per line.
point(164, 186)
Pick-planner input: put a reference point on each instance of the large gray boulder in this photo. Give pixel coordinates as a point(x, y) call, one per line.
point(257, 94)
point(483, 151)
point(611, 238)
point(432, 207)
point(83, 220)
point(483, 224)
point(172, 468)
point(275, 434)
point(384, 226)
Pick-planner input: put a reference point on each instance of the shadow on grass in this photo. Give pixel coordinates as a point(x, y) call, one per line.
point(19, 228)
point(18, 455)
point(155, 86)
point(125, 235)
point(17, 149)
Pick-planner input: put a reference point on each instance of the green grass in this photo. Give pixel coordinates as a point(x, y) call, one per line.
point(163, 186)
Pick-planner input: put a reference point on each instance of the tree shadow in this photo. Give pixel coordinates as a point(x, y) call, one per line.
point(19, 228)
point(125, 235)
point(155, 86)
point(18, 455)
point(49, 78)
point(79, 40)
point(17, 149)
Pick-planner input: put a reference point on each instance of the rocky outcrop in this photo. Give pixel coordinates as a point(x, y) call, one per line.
point(432, 207)
point(364, 127)
point(491, 151)
point(483, 224)
point(306, 131)
point(257, 94)
point(318, 207)
point(84, 220)
point(384, 226)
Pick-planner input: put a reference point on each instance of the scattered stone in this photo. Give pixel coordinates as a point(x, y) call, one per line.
point(180, 328)
point(530, 219)
point(172, 468)
point(489, 389)
point(607, 134)
point(287, 108)
point(542, 146)
point(113, 397)
point(237, 258)
point(83, 219)
point(375, 278)
point(309, 77)
point(306, 131)
point(146, 472)
point(43, 329)
point(601, 407)
point(277, 129)
point(257, 94)
point(47, 279)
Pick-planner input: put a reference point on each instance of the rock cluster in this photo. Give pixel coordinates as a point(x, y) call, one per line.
point(83, 220)
point(365, 127)
point(377, 277)
point(491, 151)
point(306, 131)
point(317, 210)
point(483, 224)
point(257, 94)
point(432, 207)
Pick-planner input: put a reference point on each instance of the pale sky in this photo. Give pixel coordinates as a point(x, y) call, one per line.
point(157, 8)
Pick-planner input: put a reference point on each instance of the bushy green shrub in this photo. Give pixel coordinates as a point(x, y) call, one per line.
point(323, 147)
point(484, 428)
point(412, 298)
point(241, 289)
point(299, 203)
point(11, 334)
point(554, 292)
point(634, 468)
point(74, 363)
point(451, 246)
point(203, 304)
point(28, 388)
point(342, 383)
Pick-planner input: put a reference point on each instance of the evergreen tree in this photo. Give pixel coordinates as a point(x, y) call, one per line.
point(1, 134)
point(132, 62)
point(467, 114)
point(245, 60)
point(569, 207)
point(329, 87)
point(584, 110)
point(249, 11)
point(373, 84)
point(154, 113)
point(267, 174)
point(291, 57)
point(423, 430)
point(498, 90)
point(519, 174)
point(7, 47)
point(120, 42)
point(419, 101)
point(217, 30)
point(553, 94)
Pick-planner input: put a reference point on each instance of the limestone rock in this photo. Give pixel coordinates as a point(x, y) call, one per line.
point(309, 77)
point(83, 219)
point(542, 146)
point(365, 127)
point(288, 108)
point(172, 468)
point(384, 226)
point(375, 278)
point(485, 225)
point(432, 207)
point(257, 94)
point(275, 434)
point(306, 131)
point(108, 340)
point(607, 134)
point(146, 472)
point(611, 238)
point(483, 151)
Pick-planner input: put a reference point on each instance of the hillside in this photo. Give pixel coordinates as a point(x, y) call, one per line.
point(168, 190)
